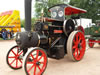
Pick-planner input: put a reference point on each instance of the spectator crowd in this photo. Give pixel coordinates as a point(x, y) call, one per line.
point(6, 34)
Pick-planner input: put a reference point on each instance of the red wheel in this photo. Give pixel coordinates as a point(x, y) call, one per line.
point(91, 44)
point(35, 62)
point(81, 29)
point(76, 46)
point(14, 58)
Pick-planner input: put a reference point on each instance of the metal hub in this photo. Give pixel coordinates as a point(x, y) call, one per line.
point(79, 46)
point(37, 63)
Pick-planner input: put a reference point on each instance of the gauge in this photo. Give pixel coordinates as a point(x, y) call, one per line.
point(53, 14)
point(60, 13)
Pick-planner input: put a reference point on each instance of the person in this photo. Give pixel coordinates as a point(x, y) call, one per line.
point(4, 34)
point(12, 34)
point(8, 34)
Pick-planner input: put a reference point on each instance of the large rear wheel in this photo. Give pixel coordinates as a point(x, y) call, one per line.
point(76, 46)
point(35, 61)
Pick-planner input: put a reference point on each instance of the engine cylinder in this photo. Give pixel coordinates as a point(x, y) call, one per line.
point(27, 39)
point(30, 39)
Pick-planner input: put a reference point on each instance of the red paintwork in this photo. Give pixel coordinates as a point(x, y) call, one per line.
point(91, 42)
point(50, 19)
point(95, 41)
point(15, 60)
point(70, 10)
point(81, 29)
point(41, 59)
point(58, 31)
point(78, 53)
point(6, 13)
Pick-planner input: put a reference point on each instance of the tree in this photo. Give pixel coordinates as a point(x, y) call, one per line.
point(33, 20)
point(22, 23)
point(92, 7)
point(45, 4)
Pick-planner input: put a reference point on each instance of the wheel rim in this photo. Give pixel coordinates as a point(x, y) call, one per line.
point(37, 64)
point(15, 57)
point(78, 46)
point(91, 44)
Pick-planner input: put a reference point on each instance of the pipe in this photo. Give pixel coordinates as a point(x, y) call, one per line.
point(28, 4)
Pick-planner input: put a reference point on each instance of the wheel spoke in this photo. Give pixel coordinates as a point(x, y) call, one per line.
point(76, 37)
point(40, 58)
point(42, 62)
point(33, 57)
point(83, 44)
point(79, 40)
point(13, 52)
point(77, 53)
point(75, 42)
point(34, 70)
point(20, 53)
point(30, 62)
point(11, 57)
point(20, 60)
point(12, 61)
point(37, 54)
point(16, 63)
point(39, 68)
point(31, 68)
point(74, 46)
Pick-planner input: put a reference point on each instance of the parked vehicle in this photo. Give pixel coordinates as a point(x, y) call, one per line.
point(93, 33)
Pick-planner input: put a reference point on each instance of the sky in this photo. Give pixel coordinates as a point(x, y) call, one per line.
point(7, 5)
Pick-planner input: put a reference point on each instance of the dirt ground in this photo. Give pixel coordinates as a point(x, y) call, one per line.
point(90, 65)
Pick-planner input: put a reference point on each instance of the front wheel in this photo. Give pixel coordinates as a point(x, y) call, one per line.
point(76, 46)
point(35, 61)
point(14, 58)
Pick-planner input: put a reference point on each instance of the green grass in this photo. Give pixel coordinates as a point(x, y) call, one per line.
point(1, 39)
point(6, 39)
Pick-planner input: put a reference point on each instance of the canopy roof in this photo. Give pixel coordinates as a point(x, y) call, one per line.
point(69, 10)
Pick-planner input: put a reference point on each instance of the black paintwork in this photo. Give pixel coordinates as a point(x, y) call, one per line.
point(44, 35)
point(28, 15)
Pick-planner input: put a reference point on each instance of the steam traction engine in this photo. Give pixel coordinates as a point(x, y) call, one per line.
point(53, 37)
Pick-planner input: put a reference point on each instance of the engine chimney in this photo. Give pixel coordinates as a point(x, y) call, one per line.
point(28, 15)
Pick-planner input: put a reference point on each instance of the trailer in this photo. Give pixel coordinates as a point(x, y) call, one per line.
point(93, 34)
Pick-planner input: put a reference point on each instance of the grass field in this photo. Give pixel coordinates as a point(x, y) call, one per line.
point(1, 39)
point(6, 39)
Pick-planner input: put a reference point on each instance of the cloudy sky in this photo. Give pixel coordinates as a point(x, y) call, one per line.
point(6, 5)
